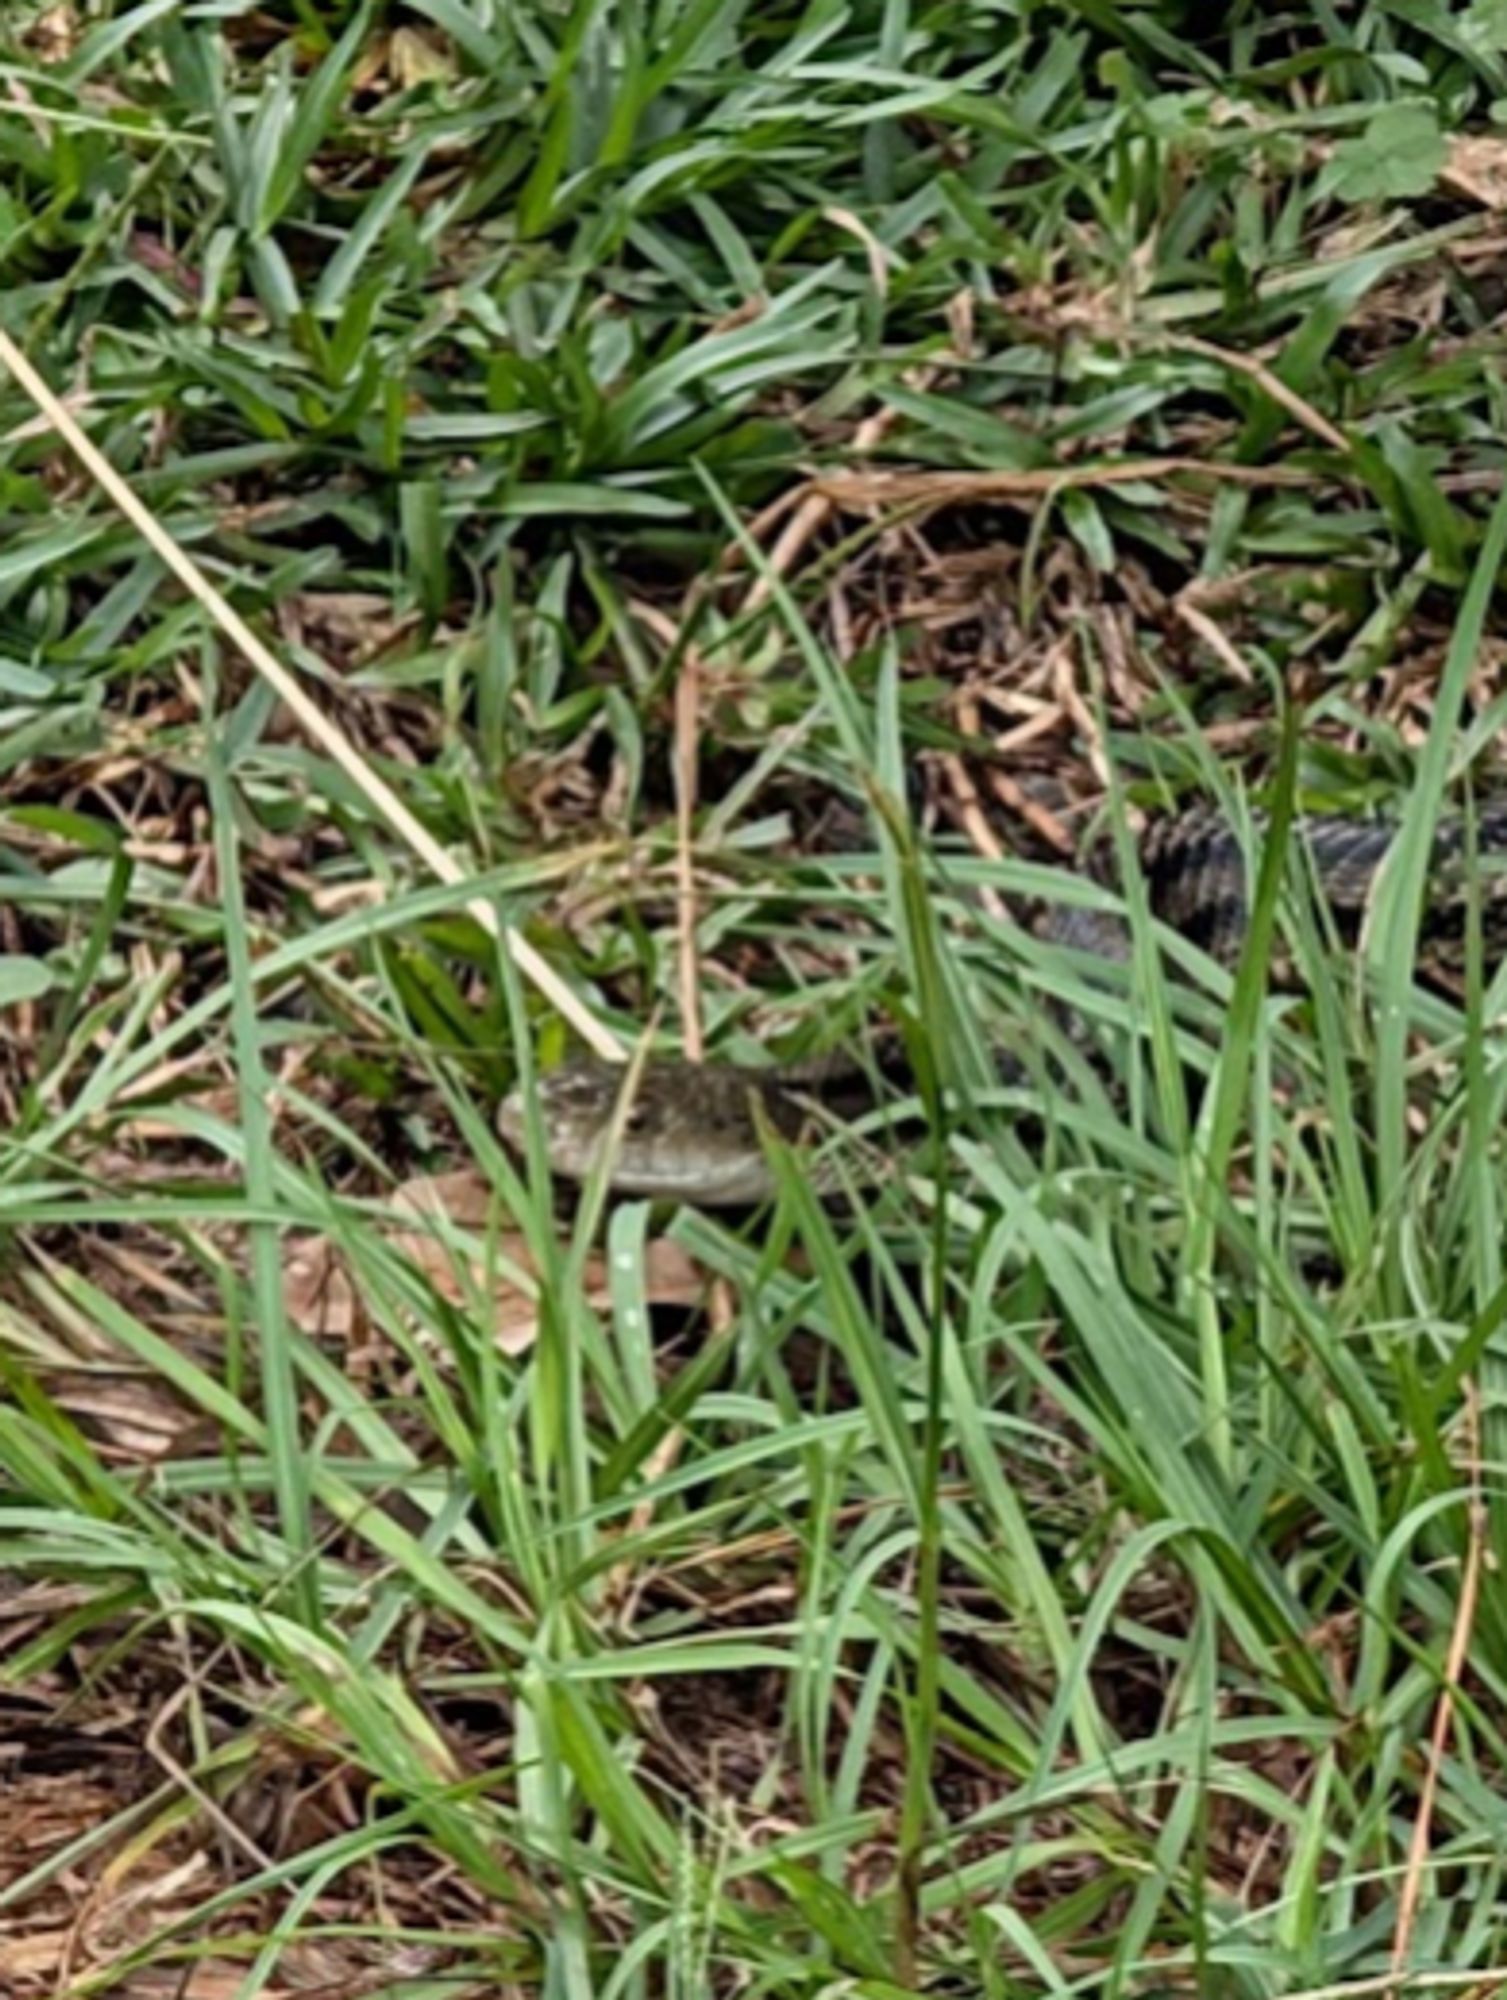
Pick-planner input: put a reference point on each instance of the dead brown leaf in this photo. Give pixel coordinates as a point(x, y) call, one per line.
point(1477, 169)
point(55, 34)
point(320, 1298)
point(415, 58)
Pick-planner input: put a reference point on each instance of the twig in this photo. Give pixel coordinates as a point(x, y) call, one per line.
point(1012, 795)
point(1444, 1714)
point(619, 1589)
point(940, 489)
point(687, 735)
point(976, 825)
point(1214, 638)
point(378, 793)
point(1489, 1980)
point(1273, 385)
point(818, 504)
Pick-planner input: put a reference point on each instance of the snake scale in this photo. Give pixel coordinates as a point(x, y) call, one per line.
point(692, 1131)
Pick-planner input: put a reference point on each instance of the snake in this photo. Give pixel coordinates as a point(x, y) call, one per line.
point(695, 1132)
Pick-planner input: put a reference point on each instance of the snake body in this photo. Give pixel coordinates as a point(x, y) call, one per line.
point(695, 1132)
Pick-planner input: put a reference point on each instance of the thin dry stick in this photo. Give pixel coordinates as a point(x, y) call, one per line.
point(774, 1541)
point(312, 719)
point(687, 743)
point(939, 489)
point(686, 771)
point(814, 509)
point(1444, 1714)
point(798, 530)
point(1215, 639)
point(620, 1593)
point(811, 504)
point(976, 825)
point(1258, 372)
point(685, 761)
point(233, 1835)
point(1421, 1982)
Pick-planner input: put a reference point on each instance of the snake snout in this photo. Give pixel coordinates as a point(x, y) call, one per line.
point(572, 1104)
point(512, 1118)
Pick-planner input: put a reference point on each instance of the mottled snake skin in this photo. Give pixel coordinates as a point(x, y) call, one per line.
point(1195, 870)
point(693, 1132)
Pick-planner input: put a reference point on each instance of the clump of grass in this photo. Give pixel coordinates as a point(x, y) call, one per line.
point(1064, 1565)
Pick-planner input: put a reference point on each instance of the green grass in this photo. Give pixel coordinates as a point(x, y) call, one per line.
point(1045, 1573)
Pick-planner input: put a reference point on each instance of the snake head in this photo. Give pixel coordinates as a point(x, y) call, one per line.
point(688, 1133)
